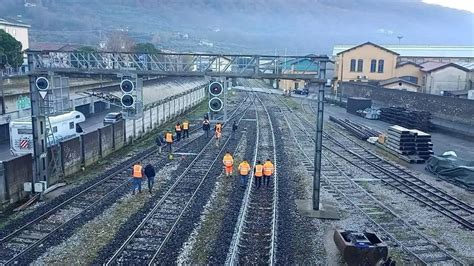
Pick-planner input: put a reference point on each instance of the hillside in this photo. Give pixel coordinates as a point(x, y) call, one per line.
point(300, 26)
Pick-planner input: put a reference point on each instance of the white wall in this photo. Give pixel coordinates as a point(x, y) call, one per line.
point(446, 79)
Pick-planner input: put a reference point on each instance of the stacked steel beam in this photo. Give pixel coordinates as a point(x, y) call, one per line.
point(407, 118)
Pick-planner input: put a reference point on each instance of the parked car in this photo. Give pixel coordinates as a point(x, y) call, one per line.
point(301, 91)
point(112, 118)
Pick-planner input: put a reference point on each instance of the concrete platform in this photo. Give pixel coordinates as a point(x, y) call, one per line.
point(326, 211)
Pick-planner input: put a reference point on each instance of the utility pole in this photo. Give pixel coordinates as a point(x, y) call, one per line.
point(318, 150)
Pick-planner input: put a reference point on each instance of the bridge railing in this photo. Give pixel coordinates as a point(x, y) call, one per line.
point(292, 67)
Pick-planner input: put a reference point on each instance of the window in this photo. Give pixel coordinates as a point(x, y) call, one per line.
point(25, 131)
point(360, 65)
point(353, 65)
point(373, 65)
point(55, 129)
point(380, 70)
point(71, 125)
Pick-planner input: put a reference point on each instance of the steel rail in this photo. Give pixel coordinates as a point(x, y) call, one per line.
point(82, 193)
point(142, 225)
point(349, 182)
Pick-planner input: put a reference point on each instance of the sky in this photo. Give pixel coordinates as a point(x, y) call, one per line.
point(467, 5)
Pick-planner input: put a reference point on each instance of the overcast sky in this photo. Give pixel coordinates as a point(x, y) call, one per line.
point(467, 5)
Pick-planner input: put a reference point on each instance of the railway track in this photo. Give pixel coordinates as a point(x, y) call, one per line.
point(397, 231)
point(254, 241)
point(145, 243)
point(399, 178)
point(24, 239)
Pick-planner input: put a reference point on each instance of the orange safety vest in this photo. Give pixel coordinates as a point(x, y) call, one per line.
point(258, 170)
point(178, 128)
point(185, 125)
point(137, 171)
point(218, 135)
point(169, 137)
point(244, 168)
point(218, 127)
point(268, 168)
point(228, 160)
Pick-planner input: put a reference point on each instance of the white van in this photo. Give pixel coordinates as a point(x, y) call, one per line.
point(64, 126)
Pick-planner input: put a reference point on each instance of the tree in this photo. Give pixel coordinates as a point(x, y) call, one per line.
point(119, 41)
point(145, 48)
point(10, 51)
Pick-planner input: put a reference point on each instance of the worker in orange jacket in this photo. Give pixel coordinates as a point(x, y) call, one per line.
point(228, 162)
point(177, 129)
point(185, 126)
point(137, 176)
point(268, 170)
point(169, 139)
point(244, 169)
point(258, 173)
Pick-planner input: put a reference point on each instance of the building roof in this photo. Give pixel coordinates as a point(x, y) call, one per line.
point(396, 80)
point(10, 22)
point(433, 66)
point(363, 44)
point(468, 65)
point(419, 50)
point(62, 47)
point(408, 63)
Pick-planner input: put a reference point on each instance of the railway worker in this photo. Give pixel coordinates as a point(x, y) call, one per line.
point(150, 175)
point(218, 135)
point(137, 176)
point(268, 170)
point(185, 126)
point(169, 139)
point(244, 169)
point(234, 129)
point(228, 162)
point(258, 173)
point(206, 126)
point(218, 127)
point(177, 129)
point(159, 142)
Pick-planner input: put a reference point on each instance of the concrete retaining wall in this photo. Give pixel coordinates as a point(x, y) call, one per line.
point(129, 130)
point(106, 140)
point(90, 147)
point(448, 108)
point(119, 134)
point(71, 152)
point(14, 173)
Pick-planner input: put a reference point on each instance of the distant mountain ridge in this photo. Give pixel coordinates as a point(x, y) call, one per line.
point(264, 26)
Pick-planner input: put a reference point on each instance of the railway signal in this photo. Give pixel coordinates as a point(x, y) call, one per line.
point(42, 84)
point(215, 104)
point(127, 101)
point(127, 86)
point(215, 89)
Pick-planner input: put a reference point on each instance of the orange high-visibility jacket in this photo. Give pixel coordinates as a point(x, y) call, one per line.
point(244, 168)
point(228, 160)
point(185, 125)
point(258, 170)
point(268, 168)
point(219, 127)
point(137, 171)
point(177, 128)
point(169, 137)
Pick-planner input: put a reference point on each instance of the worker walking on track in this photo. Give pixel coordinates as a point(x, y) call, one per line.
point(258, 173)
point(185, 126)
point(150, 175)
point(206, 126)
point(234, 129)
point(218, 133)
point(169, 139)
point(177, 129)
point(268, 170)
point(137, 176)
point(228, 162)
point(159, 142)
point(244, 169)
